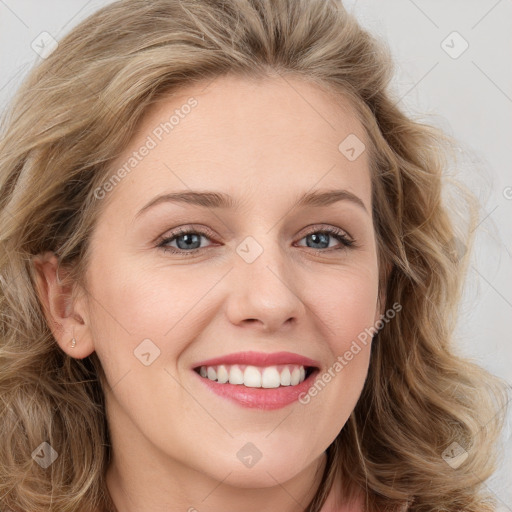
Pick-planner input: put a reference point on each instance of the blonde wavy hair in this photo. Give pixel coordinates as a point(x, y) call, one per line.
point(74, 114)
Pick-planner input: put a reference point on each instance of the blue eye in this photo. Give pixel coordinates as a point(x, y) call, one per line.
point(322, 237)
point(188, 240)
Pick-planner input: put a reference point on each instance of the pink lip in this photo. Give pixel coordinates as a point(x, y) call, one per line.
point(260, 398)
point(259, 359)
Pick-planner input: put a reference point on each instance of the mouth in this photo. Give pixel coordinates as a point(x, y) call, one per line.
point(251, 376)
point(258, 387)
point(258, 380)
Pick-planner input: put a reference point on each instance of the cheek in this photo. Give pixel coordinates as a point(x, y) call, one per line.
point(143, 299)
point(135, 302)
point(345, 304)
point(129, 306)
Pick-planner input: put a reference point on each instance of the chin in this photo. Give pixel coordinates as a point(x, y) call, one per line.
point(265, 472)
point(258, 478)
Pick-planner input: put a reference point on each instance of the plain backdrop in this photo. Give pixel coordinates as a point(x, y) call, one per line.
point(453, 70)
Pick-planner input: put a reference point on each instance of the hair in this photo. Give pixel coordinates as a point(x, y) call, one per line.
point(73, 115)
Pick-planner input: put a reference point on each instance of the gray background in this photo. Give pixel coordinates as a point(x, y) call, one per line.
point(468, 95)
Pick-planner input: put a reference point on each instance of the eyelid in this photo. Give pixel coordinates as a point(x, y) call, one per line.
point(196, 228)
point(315, 228)
point(346, 240)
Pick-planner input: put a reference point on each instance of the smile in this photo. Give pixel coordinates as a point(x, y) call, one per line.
point(256, 376)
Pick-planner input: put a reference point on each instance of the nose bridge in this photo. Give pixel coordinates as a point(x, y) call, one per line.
point(264, 288)
point(260, 255)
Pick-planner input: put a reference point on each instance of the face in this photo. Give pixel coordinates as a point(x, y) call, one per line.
point(178, 283)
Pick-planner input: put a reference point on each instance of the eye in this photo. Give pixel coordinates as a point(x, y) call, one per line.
point(321, 237)
point(188, 240)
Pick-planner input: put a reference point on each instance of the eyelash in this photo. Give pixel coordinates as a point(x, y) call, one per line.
point(338, 234)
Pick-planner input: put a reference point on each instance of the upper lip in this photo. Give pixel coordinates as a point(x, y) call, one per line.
point(259, 359)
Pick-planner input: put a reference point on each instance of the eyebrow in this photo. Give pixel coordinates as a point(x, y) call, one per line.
point(209, 199)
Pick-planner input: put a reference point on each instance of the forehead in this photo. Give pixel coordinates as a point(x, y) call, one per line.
point(274, 134)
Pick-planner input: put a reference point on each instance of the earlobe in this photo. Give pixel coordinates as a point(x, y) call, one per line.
point(64, 319)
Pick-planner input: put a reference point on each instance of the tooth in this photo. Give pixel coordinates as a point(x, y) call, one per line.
point(295, 376)
point(252, 377)
point(285, 377)
point(270, 378)
point(255, 377)
point(222, 374)
point(235, 375)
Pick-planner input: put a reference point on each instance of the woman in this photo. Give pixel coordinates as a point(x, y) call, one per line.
point(228, 280)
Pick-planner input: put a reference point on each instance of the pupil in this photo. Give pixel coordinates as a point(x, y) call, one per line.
point(316, 236)
point(187, 239)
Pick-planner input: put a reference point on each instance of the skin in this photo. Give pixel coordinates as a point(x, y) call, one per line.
point(174, 442)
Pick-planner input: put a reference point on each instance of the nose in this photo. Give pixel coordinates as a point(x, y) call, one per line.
point(264, 291)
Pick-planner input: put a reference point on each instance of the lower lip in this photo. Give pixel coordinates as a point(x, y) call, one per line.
point(260, 398)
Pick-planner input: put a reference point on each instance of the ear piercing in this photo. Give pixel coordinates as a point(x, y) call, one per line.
point(73, 343)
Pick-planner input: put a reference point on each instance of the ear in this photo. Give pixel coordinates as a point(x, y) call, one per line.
point(67, 318)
